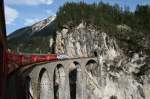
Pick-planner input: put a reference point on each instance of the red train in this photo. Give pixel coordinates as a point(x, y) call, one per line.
point(22, 59)
point(27, 59)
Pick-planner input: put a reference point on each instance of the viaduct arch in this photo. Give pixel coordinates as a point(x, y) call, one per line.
point(55, 80)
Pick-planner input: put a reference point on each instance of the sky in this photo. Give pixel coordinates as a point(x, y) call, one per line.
point(22, 13)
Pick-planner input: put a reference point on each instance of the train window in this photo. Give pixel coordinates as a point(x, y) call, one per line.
point(38, 32)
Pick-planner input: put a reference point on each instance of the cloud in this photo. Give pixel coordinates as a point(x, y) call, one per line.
point(11, 14)
point(29, 2)
point(29, 22)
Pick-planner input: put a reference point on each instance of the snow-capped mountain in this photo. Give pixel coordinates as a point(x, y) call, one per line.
point(42, 24)
point(29, 37)
point(34, 29)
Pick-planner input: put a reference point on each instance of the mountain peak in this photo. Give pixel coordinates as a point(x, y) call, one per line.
point(41, 24)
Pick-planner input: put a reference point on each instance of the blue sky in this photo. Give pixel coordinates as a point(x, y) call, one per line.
point(21, 13)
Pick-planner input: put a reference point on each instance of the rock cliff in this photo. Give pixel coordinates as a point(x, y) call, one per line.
point(122, 76)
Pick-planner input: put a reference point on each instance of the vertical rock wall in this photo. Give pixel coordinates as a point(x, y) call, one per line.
point(122, 77)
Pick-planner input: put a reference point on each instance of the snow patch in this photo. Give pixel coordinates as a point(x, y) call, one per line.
point(42, 24)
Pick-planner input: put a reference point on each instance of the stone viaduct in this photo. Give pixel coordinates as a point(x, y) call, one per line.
point(64, 79)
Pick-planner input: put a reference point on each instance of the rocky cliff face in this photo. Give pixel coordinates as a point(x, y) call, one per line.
point(85, 42)
point(122, 76)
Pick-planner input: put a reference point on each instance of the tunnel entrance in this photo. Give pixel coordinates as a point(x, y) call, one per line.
point(95, 54)
point(59, 82)
point(75, 82)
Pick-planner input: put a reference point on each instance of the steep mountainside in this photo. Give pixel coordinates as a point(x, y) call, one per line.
point(33, 38)
point(122, 76)
point(130, 28)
